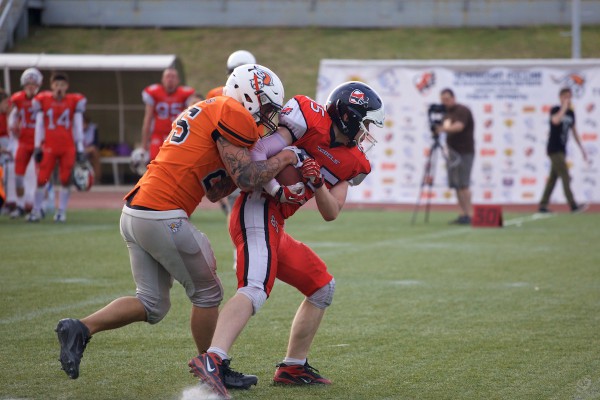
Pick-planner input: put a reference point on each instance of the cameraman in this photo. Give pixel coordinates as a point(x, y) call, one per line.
point(458, 124)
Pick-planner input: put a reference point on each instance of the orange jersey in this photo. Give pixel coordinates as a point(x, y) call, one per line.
point(58, 115)
point(189, 162)
point(218, 91)
point(166, 106)
point(26, 117)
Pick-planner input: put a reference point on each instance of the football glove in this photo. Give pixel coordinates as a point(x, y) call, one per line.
point(38, 155)
point(311, 170)
point(301, 155)
point(293, 194)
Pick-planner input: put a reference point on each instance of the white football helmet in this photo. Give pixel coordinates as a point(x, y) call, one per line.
point(83, 176)
point(31, 76)
point(259, 90)
point(139, 161)
point(238, 58)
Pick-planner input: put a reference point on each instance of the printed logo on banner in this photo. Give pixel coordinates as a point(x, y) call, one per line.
point(530, 137)
point(389, 81)
point(590, 122)
point(488, 138)
point(487, 152)
point(424, 81)
point(590, 107)
point(509, 122)
point(508, 181)
point(388, 137)
point(589, 137)
point(528, 180)
point(488, 108)
point(488, 123)
point(530, 167)
point(529, 151)
point(528, 109)
point(575, 81)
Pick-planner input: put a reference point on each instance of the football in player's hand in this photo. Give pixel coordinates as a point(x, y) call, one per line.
point(289, 176)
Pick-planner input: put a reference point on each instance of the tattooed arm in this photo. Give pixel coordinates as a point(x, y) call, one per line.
point(220, 189)
point(247, 174)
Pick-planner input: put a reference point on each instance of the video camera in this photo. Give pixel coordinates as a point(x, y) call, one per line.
point(435, 114)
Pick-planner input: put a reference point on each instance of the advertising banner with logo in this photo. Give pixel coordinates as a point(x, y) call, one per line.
point(510, 101)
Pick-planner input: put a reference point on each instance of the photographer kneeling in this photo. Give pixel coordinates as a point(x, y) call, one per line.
point(458, 124)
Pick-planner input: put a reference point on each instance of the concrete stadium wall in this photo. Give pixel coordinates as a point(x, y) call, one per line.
point(322, 13)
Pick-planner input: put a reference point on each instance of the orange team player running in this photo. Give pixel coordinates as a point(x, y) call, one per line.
point(164, 102)
point(22, 126)
point(208, 152)
point(58, 140)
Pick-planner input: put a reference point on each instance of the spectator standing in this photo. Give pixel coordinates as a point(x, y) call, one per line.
point(459, 126)
point(562, 120)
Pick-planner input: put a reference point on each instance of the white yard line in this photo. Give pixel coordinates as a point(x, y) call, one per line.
point(529, 218)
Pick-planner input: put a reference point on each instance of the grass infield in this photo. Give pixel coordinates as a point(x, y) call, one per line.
point(430, 311)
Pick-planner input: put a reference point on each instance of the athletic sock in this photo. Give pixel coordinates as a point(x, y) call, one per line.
point(218, 351)
point(294, 361)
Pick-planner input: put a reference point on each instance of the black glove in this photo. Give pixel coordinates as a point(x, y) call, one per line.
point(38, 155)
point(81, 157)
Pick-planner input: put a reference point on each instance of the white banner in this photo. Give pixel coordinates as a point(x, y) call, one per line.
point(510, 101)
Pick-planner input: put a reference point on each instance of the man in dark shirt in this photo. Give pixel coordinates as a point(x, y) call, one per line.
point(562, 119)
point(458, 124)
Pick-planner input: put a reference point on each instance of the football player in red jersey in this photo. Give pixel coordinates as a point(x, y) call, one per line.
point(164, 102)
point(22, 126)
point(334, 139)
point(58, 140)
point(205, 153)
point(6, 154)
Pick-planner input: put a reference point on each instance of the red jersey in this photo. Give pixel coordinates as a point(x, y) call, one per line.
point(3, 125)
point(58, 116)
point(26, 117)
point(166, 106)
point(312, 130)
point(189, 161)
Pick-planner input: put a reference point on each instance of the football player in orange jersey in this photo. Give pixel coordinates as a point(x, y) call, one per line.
point(22, 126)
point(58, 140)
point(335, 137)
point(235, 59)
point(206, 153)
point(164, 102)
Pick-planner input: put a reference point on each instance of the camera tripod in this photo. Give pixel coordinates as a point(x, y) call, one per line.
point(428, 177)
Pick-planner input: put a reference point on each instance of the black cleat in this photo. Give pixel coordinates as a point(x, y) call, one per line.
point(73, 336)
point(236, 380)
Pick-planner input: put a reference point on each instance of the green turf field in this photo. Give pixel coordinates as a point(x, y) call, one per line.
point(421, 312)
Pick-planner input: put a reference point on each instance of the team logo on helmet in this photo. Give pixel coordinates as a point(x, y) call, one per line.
point(358, 97)
point(261, 78)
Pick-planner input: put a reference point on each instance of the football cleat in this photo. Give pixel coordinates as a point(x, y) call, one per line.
point(208, 368)
point(17, 213)
point(60, 216)
point(236, 380)
point(299, 375)
point(34, 216)
point(73, 337)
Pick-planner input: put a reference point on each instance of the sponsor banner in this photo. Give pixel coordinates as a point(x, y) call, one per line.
point(510, 101)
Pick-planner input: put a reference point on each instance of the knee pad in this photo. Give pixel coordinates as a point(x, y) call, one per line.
point(156, 309)
point(256, 296)
point(323, 297)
